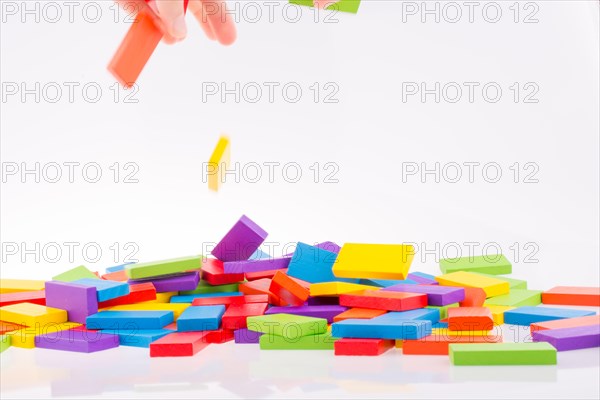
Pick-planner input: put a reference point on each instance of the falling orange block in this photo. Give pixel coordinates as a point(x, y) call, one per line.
point(470, 318)
point(436, 345)
point(572, 296)
point(358, 313)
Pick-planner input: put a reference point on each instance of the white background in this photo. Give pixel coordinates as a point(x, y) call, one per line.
point(549, 229)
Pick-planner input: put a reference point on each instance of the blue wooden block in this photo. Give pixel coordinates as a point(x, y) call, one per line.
point(117, 268)
point(105, 290)
point(440, 325)
point(188, 298)
point(530, 315)
point(129, 320)
point(426, 314)
point(378, 329)
point(386, 282)
point(200, 318)
point(136, 337)
point(314, 265)
point(260, 255)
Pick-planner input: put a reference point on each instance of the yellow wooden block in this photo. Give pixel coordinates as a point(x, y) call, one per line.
point(491, 286)
point(445, 332)
point(161, 298)
point(383, 261)
point(218, 163)
point(20, 285)
point(498, 313)
point(177, 308)
point(337, 288)
point(29, 314)
point(25, 338)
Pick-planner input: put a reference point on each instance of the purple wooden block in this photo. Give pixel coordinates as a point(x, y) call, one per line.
point(241, 241)
point(327, 312)
point(79, 301)
point(246, 336)
point(80, 341)
point(323, 301)
point(581, 337)
point(236, 267)
point(436, 295)
point(187, 281)
point(422, 278)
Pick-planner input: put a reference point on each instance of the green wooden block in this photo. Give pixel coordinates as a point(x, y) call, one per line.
point(444, 309)
point(323, 341)
point(164, 267)
point(495, 264)
point(536, 353)
point(287, 325)
point(205, 287)
point(4, 342)
point(512, 282)
point(517, 298)
point(74, 274)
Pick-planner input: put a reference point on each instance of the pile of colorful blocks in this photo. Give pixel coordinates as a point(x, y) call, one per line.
point(354, 300)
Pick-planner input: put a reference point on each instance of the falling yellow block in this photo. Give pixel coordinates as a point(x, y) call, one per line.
point(383, 261)
point(498, 313)
point(20, 285)
point(337, 288)
point(29, 314)
point(491, 286)
point(25, 338)
point(218, 162)
point(177, 308)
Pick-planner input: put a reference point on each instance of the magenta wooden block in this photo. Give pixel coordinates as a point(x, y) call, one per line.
point(436, 295)
point(241, 241)
point(268, 264)
point(581, 337)
point(174, 283)
point(79, 301)
point(422, 278)
point(246, 336)
point(81, 341)
point(326, 312)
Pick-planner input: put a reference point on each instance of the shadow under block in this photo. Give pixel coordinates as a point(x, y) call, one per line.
point(25, 338)
point(517, 298)
point(20, 285)
point(138, 293)
point(34, 297)
point(436, 295)
point(582, 337)
point(312, 264)
point(105, 290)
point(242, 240)
point(213, 272)
point(530, 315)
point(287, 325)
point(380, 300)
point(495, 264)
point(566, 323)
point(362, 347)
point(4, 342)
point(379, 261)
point(470, 319)
point(123, 320)
point(218, 163)
point(436, 345)
point(31, 314)
point(491, 286)
point(178, 344)
point(163, 267)
point(321, 341)
point(385, 329)
point(358, 313)
point(236, 315)
point(138, 338)
point(80, 341)
point(572, 295)
point(79, 301)
point(289, 289)
point(176, 308)
point(502, 354)
point(327, 312)
point(74, 274)
point(200, 318)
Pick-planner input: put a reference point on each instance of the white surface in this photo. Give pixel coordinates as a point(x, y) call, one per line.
point(368, 134)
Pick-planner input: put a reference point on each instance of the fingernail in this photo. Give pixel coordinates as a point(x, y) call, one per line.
point(179, 29)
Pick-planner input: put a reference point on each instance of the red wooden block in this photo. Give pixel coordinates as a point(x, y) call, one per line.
point(358, 313)
point(438, 345)
point(253, 276)
point(474, 297)
point(361, 347)
point(118, 276)
point(213, 273)
point(290, 290)
point(379, 300)
point(259, 286)
point(572, 296)
point(470, 319)
point(228, 300)
point(35, 297)
point(219, 336)
point(137, 293)
point(178, 344)
point(9, 327)
point(236, 314)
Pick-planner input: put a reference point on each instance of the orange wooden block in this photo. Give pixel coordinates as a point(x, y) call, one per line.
point(572, 296)
point(358, 313)
point(437, 345)
point(470, 319)
point(260, 286)
point(252, 276)
point(474, 297)
point(590, 320)
point(118, 276)
point(292, 291)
